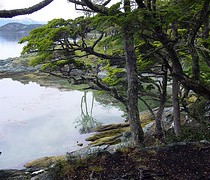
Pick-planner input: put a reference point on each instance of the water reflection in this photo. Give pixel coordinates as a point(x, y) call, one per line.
point(12, 37)
point(86, 121)
point(37, 121)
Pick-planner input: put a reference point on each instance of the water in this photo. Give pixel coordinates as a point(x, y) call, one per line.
point(9, 46)
point(37, 121)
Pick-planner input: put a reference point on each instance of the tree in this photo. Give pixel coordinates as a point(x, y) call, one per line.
point(57, 47)
point(130, 57)
point(173, 33)
point(132, 77)
point(194, 20)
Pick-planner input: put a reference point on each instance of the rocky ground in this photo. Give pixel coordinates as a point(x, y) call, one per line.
point(178, 161)
point(175, 161)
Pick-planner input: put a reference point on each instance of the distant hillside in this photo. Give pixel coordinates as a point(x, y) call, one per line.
point(4, 21)
point(19, 28)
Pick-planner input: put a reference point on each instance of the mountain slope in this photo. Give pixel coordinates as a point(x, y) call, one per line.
point(17, 28)
point(4, 21)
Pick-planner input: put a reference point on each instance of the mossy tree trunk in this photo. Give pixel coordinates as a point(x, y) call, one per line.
point(132, 91)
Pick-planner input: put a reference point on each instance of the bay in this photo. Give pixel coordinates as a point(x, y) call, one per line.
point(40, 121)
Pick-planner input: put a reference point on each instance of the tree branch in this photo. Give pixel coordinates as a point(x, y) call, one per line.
point(140, 3)
point(95, 7)
point(97, 41)
point(106, 2)
point(77, 2)
point(203, 13)
point(112, 91)
point(24, 11)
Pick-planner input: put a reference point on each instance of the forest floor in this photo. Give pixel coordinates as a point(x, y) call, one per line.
point(179, 161)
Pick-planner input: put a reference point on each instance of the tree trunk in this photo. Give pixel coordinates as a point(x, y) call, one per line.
point(158, 119)
point(177, 74)
point(205, 35)
point(132, 92)
point(176, 71)
point(195, 63)
point(176, 106)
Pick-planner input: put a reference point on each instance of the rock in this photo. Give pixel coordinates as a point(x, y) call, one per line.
point(38, 172)
point(86, 151)
point(148, 127)
point(45, 176)
point(127, 135)
point(11, 174)
point(204, 141)
point(79, 144)
point(110, 127)
point(106, 134)
point(12, 65)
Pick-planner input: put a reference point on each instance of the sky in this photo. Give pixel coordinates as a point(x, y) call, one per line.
point(56, 9)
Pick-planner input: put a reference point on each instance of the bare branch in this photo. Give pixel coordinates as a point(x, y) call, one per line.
point(95, 7)
point(106, 2)
point(202, 14)
point(96, 42)
point(77, 2)
point(24, 11)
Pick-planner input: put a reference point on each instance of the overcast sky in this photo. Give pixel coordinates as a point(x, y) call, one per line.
point(57, 9)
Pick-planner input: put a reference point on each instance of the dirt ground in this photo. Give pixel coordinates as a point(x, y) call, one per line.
point(175, 162)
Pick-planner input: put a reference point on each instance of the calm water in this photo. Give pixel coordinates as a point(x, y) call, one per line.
point(37, 121)
point(9, 46)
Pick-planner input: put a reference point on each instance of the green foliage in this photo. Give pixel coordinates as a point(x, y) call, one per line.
point(189, 133)
point(150, 87)
point(144, 64)
point(114, 9)
point(205, 72)
point(114, 76)
point(54, 44)
point(113, 44)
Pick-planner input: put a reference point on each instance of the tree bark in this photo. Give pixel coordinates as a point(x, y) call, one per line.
point(177, 72)
point(158, 119)
point(177, 75)
point(176, 106)
point(205, 35)
point(132, 92)
point(195, 63)
point(24, 11)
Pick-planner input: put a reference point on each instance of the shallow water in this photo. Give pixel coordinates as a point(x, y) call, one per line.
point(40, 121)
